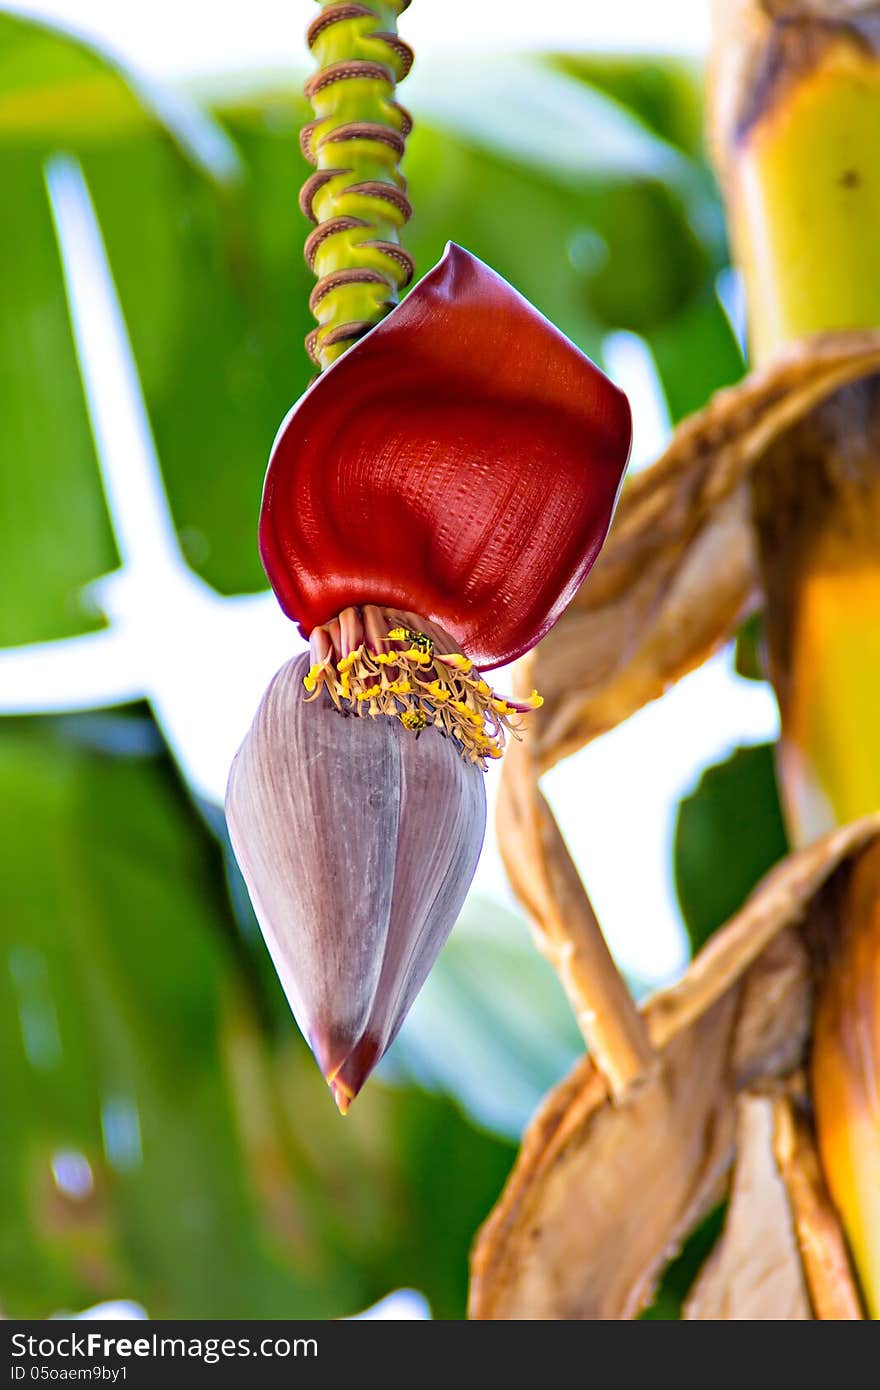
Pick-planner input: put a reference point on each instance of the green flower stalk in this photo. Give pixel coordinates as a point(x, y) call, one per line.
point(357, 194)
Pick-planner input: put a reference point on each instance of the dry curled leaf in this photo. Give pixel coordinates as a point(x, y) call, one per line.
point(679, 571)
point(584, 1227)
point(630, 1150)
point(754, 1273)
point(604, 1192)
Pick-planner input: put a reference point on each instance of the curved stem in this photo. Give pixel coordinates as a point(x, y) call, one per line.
point(547, 883)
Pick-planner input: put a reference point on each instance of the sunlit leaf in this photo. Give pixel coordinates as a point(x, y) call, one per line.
point(663, 92)
point(54, 533)
point(58, 95)
point(545, 125)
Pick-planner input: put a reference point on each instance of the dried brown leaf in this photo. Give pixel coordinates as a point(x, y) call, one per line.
point(679, 573)
point(754, 1272)
point(781, 899)
point(588, 1216)
point(603, 1193)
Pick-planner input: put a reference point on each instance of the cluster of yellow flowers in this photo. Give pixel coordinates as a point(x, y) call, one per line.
point(422, 688)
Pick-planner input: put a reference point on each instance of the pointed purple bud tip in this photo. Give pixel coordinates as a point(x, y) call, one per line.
point(358, 843)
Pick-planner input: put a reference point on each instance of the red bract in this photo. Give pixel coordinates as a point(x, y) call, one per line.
point(461, 461)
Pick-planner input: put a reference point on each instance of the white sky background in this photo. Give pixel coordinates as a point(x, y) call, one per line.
point(174, 639)
point(185, 38)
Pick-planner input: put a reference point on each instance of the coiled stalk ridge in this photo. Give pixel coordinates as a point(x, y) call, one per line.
point(357, 195)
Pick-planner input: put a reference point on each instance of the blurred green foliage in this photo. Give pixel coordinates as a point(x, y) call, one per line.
point(665, 93)
point(749, 657)
point(224, 1184)
point(143, 1029)
point(729, 833)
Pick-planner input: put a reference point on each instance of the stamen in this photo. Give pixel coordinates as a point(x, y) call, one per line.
point(456, 660)
point(310, 680)
point(413, 682)
point(420, 655)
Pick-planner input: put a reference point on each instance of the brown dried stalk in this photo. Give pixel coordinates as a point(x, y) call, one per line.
point(833, 1293)
point(604, 1192)
point(755, 1271)
point(548, 885)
